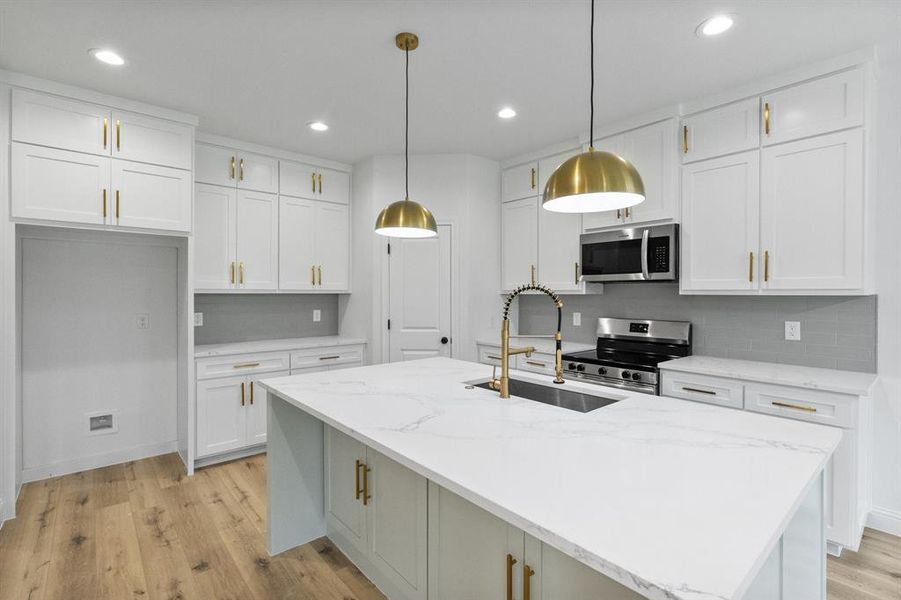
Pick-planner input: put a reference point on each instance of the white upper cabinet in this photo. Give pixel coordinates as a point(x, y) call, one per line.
point(60, 123)
point(650, 150)
point(57, 185)
point(725, 130)
point(520, 182)
point(333, 186)
point(558, 236)
point(297, 244)
point(301, 180)
point(151, 197)
point(214, 236)
point(607, 218)
point(257, 241)
point(215, 165)
point(332, 247)
point(257, 172)
point(136, 137)
point(519, 242)
point(812, 209)
point(720, 206)
point(815, 107)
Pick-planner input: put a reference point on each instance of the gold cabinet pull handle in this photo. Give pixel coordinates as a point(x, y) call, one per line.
point(246, 365)
point(242, 393)
point(766, 265)
point(685, 139)
point(329, 357)
point(532, 180)
point(104, 203)
point(699, 391)
point(313, 179)
point(241, 272)
point(251, 393)
point(527, 573)
point(493, 356)
point(319, 179)
point(231, 272)
point(766, 118)
point(751, 267)
point(533, 273)
point(118, 134)
point(319, 275)
point(105, 129)
point(811, 409)
point(358, 491)
point(312, 274)
point(535, 363)
point(242, 170)
point(619, 213)
point(510, 562)
point(117, 205)
point(628, 212)
point(233, 166)
point(366, 496)
point(576, 280)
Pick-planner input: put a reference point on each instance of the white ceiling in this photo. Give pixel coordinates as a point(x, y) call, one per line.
point(259, 71)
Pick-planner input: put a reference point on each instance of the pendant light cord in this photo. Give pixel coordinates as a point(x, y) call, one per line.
point(591, 123)
point(407, 121)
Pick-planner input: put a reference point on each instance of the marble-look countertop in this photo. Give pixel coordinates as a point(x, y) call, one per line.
point(541, 344)
point(206, 350)
point(674, 499)
point(829, 380)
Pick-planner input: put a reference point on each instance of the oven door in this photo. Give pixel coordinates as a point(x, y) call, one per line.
point(631, 254)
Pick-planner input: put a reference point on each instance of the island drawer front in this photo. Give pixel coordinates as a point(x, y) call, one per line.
point(490, 355)
point(349, 356)
point(241, 364)
point(539, 362)
point(815, 406)
point(703, 388)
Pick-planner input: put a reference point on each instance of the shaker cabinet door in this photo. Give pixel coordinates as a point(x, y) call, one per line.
point(221, 415)
point(332, 247)
point(215, 165)
point(214, 237)
point(297, 244)
point(345, 512)
point(151, 197)
point(139, 138)
point(60, 123)
point(519, 239)
point(519, 182)
point(257, 241)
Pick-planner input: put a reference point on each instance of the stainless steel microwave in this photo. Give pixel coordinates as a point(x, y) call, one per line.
point(631, 254)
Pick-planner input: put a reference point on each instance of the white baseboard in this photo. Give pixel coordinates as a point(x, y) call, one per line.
point(885, 520)
point(206, 461)
point(99, 460)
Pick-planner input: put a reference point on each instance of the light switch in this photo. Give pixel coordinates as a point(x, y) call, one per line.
point(793, 331)
point(577, 319)
point(198, 319)
point(317, 315)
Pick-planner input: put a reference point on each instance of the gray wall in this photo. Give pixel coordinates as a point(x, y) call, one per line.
point(836, 332)
point(248, 317)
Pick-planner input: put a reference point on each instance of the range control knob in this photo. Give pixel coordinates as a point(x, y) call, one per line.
point(636, 376)
point(580, 368)
point(571, 366)
point(602, 371)
point(626, 375)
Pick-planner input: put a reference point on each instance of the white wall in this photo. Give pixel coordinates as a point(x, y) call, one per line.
point(886, 512)
point(460, 189)
point(8, 332)
point(82, 349)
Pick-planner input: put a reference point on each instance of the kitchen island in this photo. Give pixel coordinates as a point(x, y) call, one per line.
point(438, 489)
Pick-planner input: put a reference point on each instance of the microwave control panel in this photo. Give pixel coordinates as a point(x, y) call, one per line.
point(659, 254)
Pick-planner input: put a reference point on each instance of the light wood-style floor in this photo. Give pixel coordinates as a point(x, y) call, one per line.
point(142, 530)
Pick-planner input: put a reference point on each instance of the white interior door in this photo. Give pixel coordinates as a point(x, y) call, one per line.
point(420, 297)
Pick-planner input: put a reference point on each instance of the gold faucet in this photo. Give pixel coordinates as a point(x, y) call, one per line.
point(503, 384)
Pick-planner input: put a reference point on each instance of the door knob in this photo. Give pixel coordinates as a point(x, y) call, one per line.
point(444, 340)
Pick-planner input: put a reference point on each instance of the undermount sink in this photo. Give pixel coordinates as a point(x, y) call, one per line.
point(555, 396)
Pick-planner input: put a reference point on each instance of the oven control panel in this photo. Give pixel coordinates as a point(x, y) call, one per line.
point(639, 380)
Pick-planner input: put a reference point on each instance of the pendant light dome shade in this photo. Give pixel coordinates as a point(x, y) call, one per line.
point(593, 181)
point(406, 218)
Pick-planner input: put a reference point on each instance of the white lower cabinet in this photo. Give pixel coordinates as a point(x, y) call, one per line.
point(376, 510)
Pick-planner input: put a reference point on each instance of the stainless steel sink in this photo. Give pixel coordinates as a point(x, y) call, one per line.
point(557, 395)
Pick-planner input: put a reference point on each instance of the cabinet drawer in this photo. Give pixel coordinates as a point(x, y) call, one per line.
point(241, 364)
point(539, 362)
point(490, 355)
point(701, 388)
point(804, 405)
point(327, 357)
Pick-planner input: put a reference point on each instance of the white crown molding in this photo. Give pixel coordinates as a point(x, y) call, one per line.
point(227, 142)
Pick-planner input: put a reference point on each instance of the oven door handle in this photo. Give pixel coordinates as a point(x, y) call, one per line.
point(644, 253)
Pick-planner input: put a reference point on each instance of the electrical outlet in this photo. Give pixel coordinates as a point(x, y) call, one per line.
point(793, 331)
point(577, 319)
point(317, 315)
point(143, 320)
point(198, 319)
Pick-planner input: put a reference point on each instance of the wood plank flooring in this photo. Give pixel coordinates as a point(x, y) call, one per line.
point(143, 530)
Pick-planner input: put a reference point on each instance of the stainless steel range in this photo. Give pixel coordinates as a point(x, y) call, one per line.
point(628, 352)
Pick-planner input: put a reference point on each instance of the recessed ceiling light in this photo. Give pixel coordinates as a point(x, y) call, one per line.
point(715, 25)
point(506, 113)
point(317, 126)
point(107, 56)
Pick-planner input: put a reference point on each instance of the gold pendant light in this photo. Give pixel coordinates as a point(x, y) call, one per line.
point(593, 181)
point(406, 218)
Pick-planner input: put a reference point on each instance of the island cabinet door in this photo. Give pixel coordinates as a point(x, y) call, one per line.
point(469, 549)
point(548, 574)
point(345, 464)
point(397, 518)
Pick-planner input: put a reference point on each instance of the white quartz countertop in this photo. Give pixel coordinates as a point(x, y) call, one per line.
point(830, 380)
point(206, 350)
point(541, 344)
point(674, 499)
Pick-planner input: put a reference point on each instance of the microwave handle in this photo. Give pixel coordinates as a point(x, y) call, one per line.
point(644, 254)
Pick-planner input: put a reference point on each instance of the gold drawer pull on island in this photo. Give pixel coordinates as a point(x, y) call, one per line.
point(794, 406)
point(246, 365)
point(698, 391)
point(357, 488)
